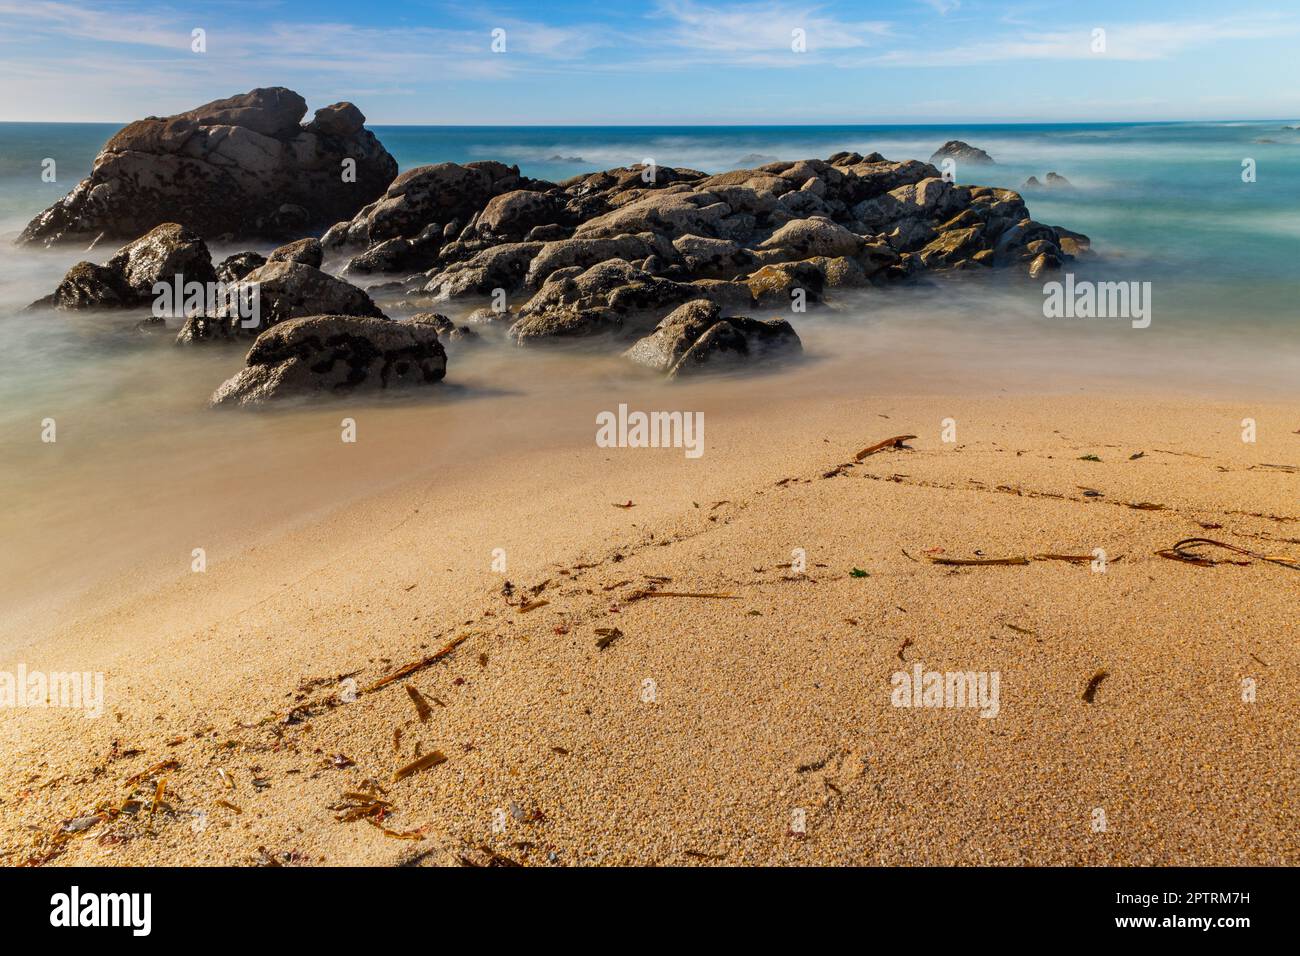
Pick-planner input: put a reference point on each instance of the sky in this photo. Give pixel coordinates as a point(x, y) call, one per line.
point(657, 62)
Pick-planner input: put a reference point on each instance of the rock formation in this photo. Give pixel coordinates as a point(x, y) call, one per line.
point(241, 167)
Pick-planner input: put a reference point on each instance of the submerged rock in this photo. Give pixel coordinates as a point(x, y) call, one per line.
point(330, 355)
point(238, 167)
point(448, 331)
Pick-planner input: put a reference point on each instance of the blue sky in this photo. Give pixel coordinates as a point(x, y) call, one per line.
point(659, 61)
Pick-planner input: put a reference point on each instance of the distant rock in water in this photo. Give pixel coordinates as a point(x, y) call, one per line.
point(327, 355)
point(1052, 181)
point(557, 158)
point(753, 160)
point(961, 152)
point(236, 168)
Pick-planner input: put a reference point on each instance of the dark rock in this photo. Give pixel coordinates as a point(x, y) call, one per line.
point(340, 119)
point(165, 254)
point(235, 267)
point(306, 251)
point(694, 338)
point(447, 330)
point(327, 355)
point(238, 167)
point(511, 216)
point(443, 193)
point(283, 290)
point(90, 286)
point(961, 152)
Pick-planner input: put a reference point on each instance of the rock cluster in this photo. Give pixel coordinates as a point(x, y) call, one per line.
point(243, 167)
point(667, 263)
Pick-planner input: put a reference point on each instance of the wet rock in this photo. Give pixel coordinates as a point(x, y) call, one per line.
point(160, 255)
point(235, 267)
point(442, 193)
point(511, 216)
point(306, 251)
point(321, 356)
point(598, 300)
point(806, 238)
point(89, 286)
point(448, 331)
point(695, 338)
point(283, 290)
point(127, 280)
point(499, 267)
point(1044, 262)
point(237, 167)
point(566, 253)
point(714, 258)
point(399, 254)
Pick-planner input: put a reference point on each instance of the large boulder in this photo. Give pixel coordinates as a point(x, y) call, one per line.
point(240, 167)
point(695, 338)
point(282, 290)
point(327, 355)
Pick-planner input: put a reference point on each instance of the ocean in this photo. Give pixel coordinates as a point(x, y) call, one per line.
point(142, 470)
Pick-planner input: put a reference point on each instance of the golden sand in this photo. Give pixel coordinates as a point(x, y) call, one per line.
point(755, 729)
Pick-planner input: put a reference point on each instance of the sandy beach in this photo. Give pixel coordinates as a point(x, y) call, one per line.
point(242, 723)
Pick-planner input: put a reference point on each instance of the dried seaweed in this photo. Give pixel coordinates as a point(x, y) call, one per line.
point(152, 771)
point(964, 562)
point(431, 759)
point(395, 834)
point(1178, 552)
point(608, 635)
point(411, 668)
point(895, 442)
point(638, 595)
point(532, 605)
